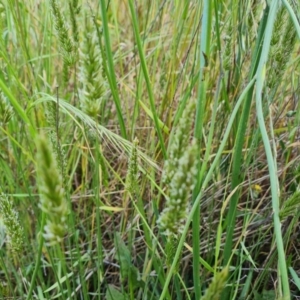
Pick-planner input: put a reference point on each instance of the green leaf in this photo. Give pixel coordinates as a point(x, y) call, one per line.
point(123, 255)
point(295, 277)
point(290, 113)
point(128, 270)
point(113, 294)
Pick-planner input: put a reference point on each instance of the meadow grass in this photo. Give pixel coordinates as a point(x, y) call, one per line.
point(149, 149)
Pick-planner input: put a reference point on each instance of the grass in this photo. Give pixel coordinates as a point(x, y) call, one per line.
point(149, 150)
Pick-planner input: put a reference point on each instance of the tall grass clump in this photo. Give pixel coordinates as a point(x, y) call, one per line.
point(149, 149)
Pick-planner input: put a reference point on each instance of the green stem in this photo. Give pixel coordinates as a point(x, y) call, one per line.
point(38, 258)
point(293, 16)
point(200, 112)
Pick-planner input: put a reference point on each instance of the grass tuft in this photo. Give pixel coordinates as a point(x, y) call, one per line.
point(150, 148)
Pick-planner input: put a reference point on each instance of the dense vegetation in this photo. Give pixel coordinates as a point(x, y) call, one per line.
point(149, 149)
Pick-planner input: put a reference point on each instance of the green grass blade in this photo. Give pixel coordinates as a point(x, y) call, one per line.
point(111, 74)
point(205, 42)
point(261, 70)
point(147, 78)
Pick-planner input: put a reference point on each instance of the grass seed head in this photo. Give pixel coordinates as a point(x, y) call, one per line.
point(174, 215)
point(13, 227)
point(216, 286)
point(52, 196)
